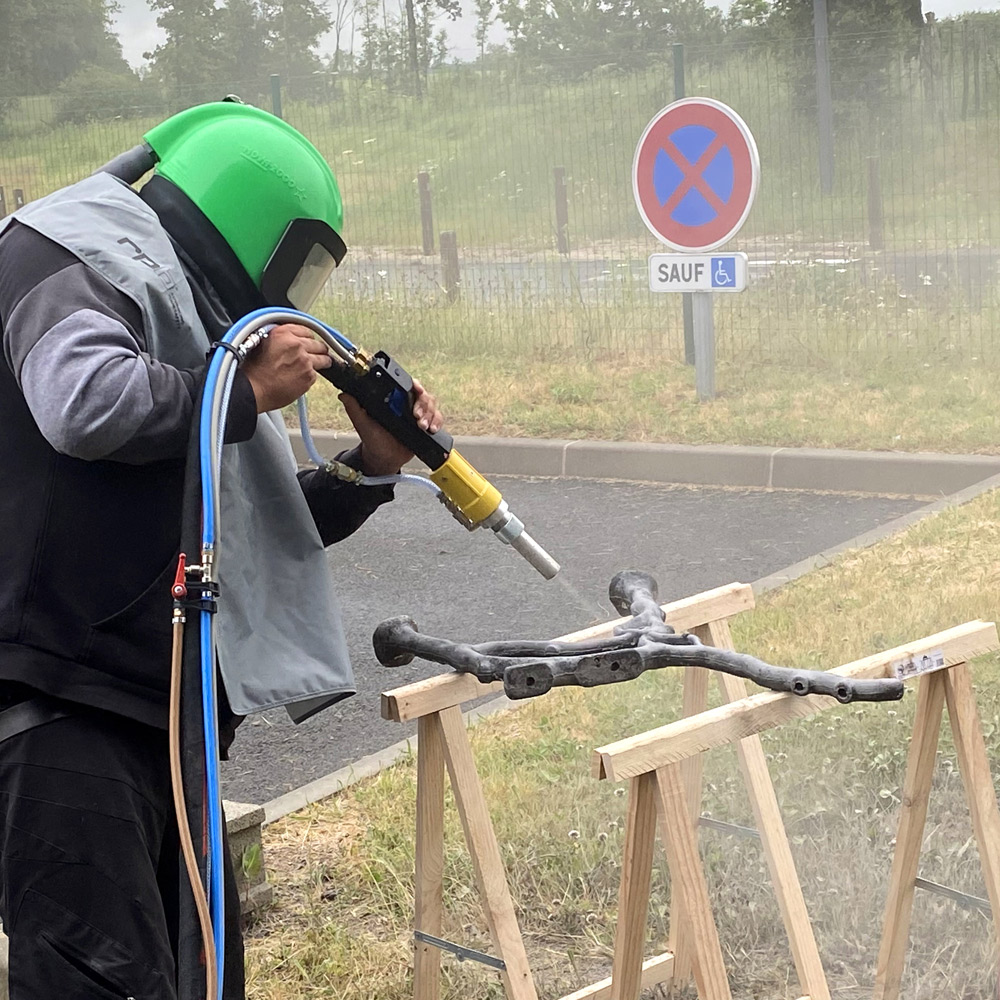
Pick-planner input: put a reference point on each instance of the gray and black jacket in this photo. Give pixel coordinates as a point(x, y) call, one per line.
point(105, 322)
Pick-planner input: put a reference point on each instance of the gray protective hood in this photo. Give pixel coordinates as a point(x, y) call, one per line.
point(279, 631)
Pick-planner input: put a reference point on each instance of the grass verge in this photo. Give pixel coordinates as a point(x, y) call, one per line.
point(887, 409)
point(342, 870)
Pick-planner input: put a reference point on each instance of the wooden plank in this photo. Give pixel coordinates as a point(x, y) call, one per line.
point(429, 869)
point(486, 861)
point(654, 971)
point(909, 836)
point(433, 694)
point(974, 766)
point(735, 721)
point(633, 896)
point(687, 875)
point(774, 840)
point(694, 701)
point(436, 693)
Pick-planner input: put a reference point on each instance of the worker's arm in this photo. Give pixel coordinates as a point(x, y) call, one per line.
point(337, 507)
point(76, 347)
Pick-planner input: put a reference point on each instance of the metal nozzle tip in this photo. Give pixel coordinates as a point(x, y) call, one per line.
point(536, 555)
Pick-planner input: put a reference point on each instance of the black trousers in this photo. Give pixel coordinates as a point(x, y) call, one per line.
point(89, 863)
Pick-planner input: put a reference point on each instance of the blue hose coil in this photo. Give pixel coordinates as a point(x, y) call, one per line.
point(209, 492)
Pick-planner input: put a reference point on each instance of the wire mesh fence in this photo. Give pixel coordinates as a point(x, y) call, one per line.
point(495, 213)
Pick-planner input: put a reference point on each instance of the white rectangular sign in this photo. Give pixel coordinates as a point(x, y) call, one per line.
point(695, 272)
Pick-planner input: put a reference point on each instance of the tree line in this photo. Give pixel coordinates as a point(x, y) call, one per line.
point(70, 44)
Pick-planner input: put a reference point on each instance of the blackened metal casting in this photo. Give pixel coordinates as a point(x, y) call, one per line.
point(646, 642)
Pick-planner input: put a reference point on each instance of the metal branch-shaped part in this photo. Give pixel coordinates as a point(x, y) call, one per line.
point(526, 672)
point(529, 668)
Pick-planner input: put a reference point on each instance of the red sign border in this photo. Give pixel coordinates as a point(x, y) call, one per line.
point(746, 170)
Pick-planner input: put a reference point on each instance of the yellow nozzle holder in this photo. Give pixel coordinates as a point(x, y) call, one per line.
point(475, 496)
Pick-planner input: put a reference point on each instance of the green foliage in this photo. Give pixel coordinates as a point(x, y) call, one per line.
point(192, 54)
point(866, 39)
point(251, 862)
point(46, 41)
point(576, 36)
point(387, 45)
point(207, 43)
point(94, 93)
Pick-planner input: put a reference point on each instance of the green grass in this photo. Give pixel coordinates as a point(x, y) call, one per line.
point(565, 373)
point(342, 869)
point(904, 411)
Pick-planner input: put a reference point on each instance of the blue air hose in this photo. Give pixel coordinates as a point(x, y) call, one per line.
point(218, 383)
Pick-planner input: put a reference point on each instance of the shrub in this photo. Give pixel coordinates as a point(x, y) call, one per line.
point(94, 93)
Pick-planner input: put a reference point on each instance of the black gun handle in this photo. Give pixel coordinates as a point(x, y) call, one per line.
point(385, 391)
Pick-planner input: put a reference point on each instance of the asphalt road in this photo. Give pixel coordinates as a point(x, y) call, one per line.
point(413, 558)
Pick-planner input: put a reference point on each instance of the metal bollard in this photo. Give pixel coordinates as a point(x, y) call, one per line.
point(562, 210)
point(426, 214)
point(450, 277)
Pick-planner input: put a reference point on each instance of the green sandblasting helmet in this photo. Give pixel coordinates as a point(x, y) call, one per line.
point(264, 187)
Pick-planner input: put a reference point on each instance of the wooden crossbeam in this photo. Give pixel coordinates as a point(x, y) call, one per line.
point(654, 971)
point(719, 726)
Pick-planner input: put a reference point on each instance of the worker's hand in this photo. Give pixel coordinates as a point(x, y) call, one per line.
point(284, 366)
point(381, 453)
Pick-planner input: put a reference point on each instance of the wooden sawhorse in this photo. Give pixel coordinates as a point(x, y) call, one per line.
point(442, 742)
point(654, 764)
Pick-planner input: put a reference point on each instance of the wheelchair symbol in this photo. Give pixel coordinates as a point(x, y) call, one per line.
point(725, 273)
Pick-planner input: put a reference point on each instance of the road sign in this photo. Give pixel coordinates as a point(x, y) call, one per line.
point(695, 174)
point(688, 272)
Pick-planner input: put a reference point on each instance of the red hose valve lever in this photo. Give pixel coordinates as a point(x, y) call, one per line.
point(179, 589)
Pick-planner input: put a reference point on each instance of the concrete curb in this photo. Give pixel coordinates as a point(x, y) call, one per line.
point(882, 472)
point(368, 766)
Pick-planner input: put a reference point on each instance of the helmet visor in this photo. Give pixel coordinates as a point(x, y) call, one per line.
point(301, 264)
point(312, 276)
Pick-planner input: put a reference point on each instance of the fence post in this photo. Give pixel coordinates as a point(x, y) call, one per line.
point(965, 70)
point(876, 229)
point(276, 95)
point(824, 95)
point(687, 306)
point(426, 215)
point(678, 70)
point(562, 210)
point(18, 199)
point(449, 264)
point(977, 48)
point(3, 205)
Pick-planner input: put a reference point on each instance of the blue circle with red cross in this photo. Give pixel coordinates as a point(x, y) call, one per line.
point(695, 174)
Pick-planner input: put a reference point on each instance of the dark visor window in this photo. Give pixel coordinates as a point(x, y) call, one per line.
point(301, 263)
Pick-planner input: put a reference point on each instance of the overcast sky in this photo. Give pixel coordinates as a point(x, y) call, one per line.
point(138, 32)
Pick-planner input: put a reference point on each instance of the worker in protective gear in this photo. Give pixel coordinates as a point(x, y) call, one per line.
point(110, 298)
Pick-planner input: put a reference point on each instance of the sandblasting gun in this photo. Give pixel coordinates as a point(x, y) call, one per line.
point(385, 390)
